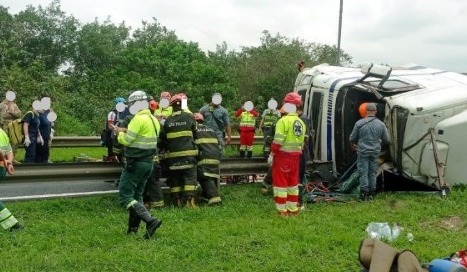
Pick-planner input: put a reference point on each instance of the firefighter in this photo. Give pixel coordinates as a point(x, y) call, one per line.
point(285, 154)
point(177, 140)
point(267, 124)
point(209, 156)
point(140, 141)
point(7, 220)
point(247, 115)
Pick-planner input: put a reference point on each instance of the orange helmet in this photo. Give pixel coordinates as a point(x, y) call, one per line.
point(293, 98)
point(362, 110)
point(176, 99)
point(198, 117)
point(165, 95)
point(153, 105)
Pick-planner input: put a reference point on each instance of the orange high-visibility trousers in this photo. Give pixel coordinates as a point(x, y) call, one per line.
point(285, 182)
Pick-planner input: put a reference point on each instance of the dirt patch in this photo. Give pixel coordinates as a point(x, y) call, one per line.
point(451, 223)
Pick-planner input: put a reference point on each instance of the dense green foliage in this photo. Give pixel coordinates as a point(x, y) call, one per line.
point(244, 234)
point(85, 66)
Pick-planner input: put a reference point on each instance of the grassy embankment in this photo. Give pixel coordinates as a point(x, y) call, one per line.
point(244, 234)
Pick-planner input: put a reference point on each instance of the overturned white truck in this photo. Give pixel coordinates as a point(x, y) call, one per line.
point(419, 105)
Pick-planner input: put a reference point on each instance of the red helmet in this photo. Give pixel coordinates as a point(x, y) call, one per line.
point(293, 98)
point(153, 105)
point(165, 95)
point(198, 117)
point(176, 99)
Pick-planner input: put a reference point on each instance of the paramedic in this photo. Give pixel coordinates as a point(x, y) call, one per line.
point(286, 150)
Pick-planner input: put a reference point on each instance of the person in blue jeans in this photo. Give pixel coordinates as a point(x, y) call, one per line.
point(366, 138)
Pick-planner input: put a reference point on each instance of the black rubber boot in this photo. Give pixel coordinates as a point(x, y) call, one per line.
point(133, 222)
point(152, 224)
point(242, 153)
point(16, 227)
point(371, 195)
point(364, 195)
point(249, 153)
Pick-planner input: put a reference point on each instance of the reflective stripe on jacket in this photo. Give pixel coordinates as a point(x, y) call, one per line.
point(140, 138)
point(247, 119)
point(177, 138)
point(270, 117)
point(290, 135)
point(208, 145)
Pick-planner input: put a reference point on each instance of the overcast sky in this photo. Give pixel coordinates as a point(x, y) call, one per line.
point(430, 33)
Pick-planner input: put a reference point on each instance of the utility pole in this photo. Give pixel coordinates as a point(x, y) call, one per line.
point(338, 57)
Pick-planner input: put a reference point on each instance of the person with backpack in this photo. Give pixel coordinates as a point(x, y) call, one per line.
point(9, 111)
point(114, 118)
point(32, 135)
point(7, 220)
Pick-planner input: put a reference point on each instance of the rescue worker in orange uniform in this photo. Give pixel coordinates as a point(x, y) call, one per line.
point(209, 158)
point(178, 142)
point(247, 115)
point(285, 154)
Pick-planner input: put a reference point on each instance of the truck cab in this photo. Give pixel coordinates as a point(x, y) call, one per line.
point(423, 108)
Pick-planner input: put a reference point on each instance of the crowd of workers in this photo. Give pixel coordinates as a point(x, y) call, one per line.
point(147, 136)
point(151, 135)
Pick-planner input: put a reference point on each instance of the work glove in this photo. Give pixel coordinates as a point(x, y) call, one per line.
point(40, 140)
point(52, 131)
point(270, 160)
point(27, 141)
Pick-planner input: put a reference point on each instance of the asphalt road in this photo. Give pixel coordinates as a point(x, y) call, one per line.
point(44, 190)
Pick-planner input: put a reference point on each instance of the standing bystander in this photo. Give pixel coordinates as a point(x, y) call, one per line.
point(247, 116)
point(216, 117)
point(9, 111)
point(366, 138)
point(267, 125)
point(32, 135)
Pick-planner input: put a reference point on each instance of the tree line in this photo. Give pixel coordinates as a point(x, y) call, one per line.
point(84, 66)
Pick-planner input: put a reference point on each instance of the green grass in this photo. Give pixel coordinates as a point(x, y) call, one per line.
point(68, 154)
point(244, 234)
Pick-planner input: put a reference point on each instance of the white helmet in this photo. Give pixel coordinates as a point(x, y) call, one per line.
point(137, 96)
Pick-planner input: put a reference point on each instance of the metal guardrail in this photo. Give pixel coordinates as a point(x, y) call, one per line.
point(93, 141)
point(102, 171)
